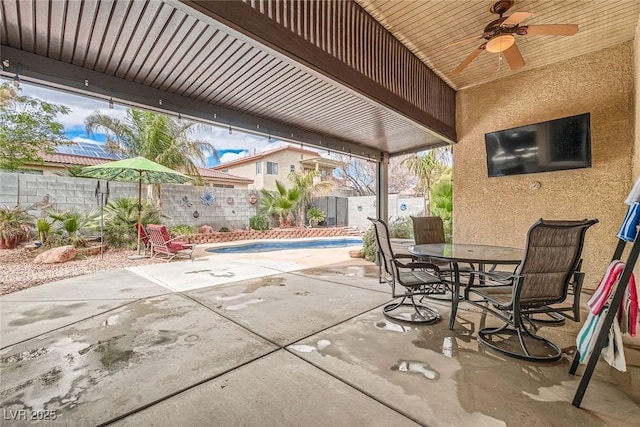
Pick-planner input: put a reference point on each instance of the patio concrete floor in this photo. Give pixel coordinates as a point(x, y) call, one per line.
point(268, 344)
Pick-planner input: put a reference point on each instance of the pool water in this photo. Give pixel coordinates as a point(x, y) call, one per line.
point(280, 246)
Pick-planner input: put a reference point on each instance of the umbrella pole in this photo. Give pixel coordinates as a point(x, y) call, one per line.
point(139, 209)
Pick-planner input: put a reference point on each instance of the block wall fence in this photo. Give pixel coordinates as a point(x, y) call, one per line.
point(231, 207)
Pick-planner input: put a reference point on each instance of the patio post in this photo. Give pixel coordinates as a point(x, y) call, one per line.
point(382, 188)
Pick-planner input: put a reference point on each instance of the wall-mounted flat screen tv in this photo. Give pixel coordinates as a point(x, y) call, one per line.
point(541, 147)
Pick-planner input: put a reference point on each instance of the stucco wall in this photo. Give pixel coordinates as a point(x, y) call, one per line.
point(636, 79)
point(500, 210)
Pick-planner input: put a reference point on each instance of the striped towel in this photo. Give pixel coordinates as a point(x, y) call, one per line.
point(601, 295)
point(629, 228)
point(634, 195)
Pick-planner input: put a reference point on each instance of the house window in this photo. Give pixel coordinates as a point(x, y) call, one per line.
point(272, 168)
point(292, 168)
point(225, 170)
point(258, 168)
point(323, 175)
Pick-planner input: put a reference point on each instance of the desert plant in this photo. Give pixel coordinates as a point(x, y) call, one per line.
point(44, 227)
point(121, 215)
point(315, 215)
point(259, 222)
point(307, 186)
point(15, 224)
point(71, 222)
point(224, 230)
point(182, 230)
point(280, 203)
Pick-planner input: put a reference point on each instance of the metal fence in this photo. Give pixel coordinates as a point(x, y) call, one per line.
point(336, 210)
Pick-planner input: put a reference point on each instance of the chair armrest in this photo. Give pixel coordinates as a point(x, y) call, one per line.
point(418, 265)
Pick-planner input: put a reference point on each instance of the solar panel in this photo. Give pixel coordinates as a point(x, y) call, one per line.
point(87, 149)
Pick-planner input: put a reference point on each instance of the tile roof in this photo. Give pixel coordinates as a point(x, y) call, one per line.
point(72, 159)
point(210, 173)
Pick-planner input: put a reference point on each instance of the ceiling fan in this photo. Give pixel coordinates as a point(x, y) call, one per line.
point(500, 35)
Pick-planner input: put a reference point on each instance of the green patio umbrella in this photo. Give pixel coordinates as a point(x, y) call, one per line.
point(137, 169)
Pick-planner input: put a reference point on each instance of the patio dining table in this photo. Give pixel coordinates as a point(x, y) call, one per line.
point(455, 253)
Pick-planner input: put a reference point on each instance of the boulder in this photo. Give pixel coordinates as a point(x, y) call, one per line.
point(205, 229)
point(56, 255)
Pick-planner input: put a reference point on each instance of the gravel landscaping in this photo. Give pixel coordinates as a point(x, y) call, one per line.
point(17, 270)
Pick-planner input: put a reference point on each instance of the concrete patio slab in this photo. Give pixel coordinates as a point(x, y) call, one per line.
point(287, 307)
point(441, 377)
point(277, 390)
point(22, 320)
point(108, 365)
point(210, 271)
point(105, 285)
point(354, 272)
point(217, 269)
point(44, 308)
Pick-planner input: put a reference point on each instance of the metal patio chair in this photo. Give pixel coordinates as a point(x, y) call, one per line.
point(162, 244)
point(416, 278)
point(540, 284)
point(430, 229)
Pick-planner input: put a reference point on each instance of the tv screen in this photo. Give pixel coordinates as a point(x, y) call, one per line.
point(541, 147)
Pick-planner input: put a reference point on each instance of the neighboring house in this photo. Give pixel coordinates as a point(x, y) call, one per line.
point(267, 167)
point(57, 164)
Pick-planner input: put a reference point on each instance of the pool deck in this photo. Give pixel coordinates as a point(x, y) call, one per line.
point(268, 339)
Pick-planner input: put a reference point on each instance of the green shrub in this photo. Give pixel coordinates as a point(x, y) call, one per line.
point(259, 222)
point(399, 228)
point(224, 230)
point(182, 230)
point(315, 214)
point(369, 245)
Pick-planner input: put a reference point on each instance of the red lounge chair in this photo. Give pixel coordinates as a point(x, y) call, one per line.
point(164, 245)
point(144, 236)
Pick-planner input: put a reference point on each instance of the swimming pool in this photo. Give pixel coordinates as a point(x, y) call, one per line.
point(280, 246)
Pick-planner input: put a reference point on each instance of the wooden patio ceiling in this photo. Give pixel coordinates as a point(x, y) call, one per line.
point(223, 63)
point(431, 29)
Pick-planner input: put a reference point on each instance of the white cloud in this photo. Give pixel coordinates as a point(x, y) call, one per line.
point(229, 157)
point(81, 139)
point(80, 106)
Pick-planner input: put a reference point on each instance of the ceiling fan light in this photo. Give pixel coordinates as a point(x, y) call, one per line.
point(500, 43)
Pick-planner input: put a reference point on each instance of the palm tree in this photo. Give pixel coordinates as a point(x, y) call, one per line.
point(442, 203)
point(155, 136)
point(307, 189)
point(280, 203)
point(428, 168)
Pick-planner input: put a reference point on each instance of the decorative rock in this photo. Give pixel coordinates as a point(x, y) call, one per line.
point(205, 229)
point(56, 255)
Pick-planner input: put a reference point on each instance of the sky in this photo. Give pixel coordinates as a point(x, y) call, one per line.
point(229, 147)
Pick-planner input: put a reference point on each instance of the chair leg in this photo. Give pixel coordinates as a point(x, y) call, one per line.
point(420, 314)
point(498, 338)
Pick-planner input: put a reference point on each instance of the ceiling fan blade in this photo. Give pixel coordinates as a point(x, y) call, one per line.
point(467, 61)
point(514, 57)
point(515, 19)
point(551, 30)
point(467, 40)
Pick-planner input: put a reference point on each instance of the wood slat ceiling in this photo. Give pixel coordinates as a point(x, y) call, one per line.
point(157, 44)
point(426, 27)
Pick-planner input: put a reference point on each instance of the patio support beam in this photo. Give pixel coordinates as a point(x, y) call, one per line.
point(307, 32)
point(59, 75)
point(382, 188)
